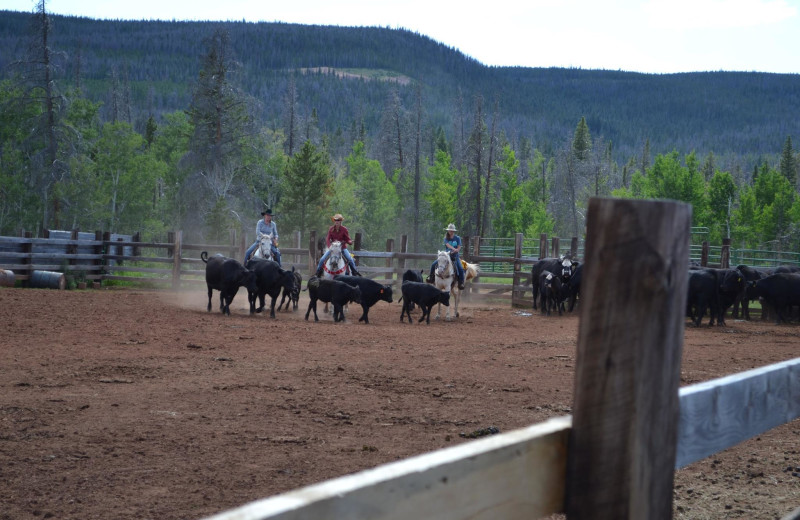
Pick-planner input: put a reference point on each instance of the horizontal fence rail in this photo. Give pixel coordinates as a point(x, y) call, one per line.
point(520, 474)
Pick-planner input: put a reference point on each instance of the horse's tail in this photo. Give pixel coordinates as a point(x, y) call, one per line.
point(204, 256)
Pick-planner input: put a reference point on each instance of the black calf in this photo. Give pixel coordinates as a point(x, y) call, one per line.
point(424, 295)
point(335, 292)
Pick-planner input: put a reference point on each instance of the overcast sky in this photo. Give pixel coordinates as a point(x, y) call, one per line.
point(658, 36)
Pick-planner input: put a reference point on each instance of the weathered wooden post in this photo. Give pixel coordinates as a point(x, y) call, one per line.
point(27, 247)
point(356, 247)
point(542, 246)
point(176, 260)
point(725, 254)
point(137, 237)
point(312, 253)
point(704, 254)
point(401, 263)
point(556, 246)
point(622, 446)
point(516, 295)
point(98, 250)
point(573, 248)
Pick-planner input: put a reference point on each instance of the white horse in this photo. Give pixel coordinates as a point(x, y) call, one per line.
point(447, 281)
point(335, 264)
point(264, 249)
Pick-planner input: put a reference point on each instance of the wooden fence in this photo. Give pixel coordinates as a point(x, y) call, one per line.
point(174, 263)
point(631, 427)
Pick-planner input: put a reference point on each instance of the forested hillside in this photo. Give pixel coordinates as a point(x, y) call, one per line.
point(389, 121)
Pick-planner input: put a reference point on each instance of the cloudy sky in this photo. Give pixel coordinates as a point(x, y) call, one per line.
point(657, 36)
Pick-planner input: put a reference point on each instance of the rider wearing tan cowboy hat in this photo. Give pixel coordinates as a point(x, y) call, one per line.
point(452, 244)
point(338, 232)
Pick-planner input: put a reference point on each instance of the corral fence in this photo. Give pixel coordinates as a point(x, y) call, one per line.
point(505, 262)
point(631, 427)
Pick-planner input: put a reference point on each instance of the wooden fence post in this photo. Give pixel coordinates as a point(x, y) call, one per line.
point(176, 260)
point(137, 237)
point(27, 260)
point(704, 254)
point(542, 246)
point(515, 282)
point(725, 254)
point(623, 442)
point(476, 250)
point(72, 249)
point(573, 248)
point(312, 253)
point(99, 250)
point(556, 246)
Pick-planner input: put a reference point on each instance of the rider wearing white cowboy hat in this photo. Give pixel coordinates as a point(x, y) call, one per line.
point(452, 244)
point(267, 227)
point(338, 232)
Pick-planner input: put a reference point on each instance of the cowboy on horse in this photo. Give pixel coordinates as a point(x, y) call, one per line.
point(452, 244)
point(337, 232)
point(265, 227)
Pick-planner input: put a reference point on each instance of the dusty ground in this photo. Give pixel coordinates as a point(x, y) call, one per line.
point(139, 404)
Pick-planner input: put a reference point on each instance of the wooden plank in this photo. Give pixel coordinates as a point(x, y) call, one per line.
point(154, 259)
point(132, 269)
point(50, 267)
point(627, 371)
point(721, 413)
point(514, 475)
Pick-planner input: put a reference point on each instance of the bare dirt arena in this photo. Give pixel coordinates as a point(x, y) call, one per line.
point(136, 404)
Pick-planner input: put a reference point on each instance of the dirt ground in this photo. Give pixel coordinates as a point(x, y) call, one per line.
point(136, 404)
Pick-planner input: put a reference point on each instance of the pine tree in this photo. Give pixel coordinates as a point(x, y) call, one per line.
point(788, 164)
point(582, 141)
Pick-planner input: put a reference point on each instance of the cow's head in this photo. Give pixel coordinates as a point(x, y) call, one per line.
point(567, 268)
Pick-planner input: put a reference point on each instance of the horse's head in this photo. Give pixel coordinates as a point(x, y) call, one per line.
point(265, 245)
point(335, 249)
point(444, 266)
point(335, 263)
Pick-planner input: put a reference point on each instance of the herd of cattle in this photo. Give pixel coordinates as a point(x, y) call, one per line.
point(555, 284)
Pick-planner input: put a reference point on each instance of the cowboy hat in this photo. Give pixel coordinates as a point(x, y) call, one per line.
point(451, 227)
point(266, 212)
point(336, 217)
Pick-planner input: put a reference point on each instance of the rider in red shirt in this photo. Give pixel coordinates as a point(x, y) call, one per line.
point(338, 232)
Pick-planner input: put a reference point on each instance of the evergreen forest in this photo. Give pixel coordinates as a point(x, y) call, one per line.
point(151, 126)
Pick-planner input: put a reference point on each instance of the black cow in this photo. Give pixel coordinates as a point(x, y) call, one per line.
point(226, 275)
point(335, 292)
point(732, 288)
point(423, 294)
point(572, 289)
point(550, 290)
point(563, 267)
point(294, 294)
point(780, 291)
point(751, 275)
point(703, 293)
point(412, 276)
point(270, 279)
point(371, 292)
